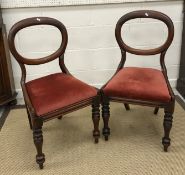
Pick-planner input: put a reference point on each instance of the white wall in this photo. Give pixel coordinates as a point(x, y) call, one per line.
point(92, 54)
point(41, 3)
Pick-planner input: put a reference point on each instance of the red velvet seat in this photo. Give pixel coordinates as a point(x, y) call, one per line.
point(56, 91)
point(139, 83)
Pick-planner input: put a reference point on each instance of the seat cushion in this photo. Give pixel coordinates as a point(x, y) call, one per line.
point(56, 91)
point(139, 83)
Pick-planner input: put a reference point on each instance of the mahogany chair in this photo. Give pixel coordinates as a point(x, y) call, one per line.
point(53, 95)
point(141, 86)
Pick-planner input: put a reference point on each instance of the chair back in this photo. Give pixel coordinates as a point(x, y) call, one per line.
point(144, 14)
point(32, 22)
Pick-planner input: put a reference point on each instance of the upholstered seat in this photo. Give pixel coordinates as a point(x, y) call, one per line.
point(139, 83)
point(56, 91)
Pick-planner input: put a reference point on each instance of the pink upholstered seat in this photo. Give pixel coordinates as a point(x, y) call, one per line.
point(139, 83)
point(56, 91)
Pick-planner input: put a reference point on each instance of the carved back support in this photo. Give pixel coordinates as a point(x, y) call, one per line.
point(32, 22)
point(159, 50)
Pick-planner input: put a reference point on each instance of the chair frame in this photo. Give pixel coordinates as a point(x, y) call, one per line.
point(36, 122)
point(168, 107)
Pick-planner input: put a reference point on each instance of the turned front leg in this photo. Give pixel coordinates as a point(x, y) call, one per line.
point(38, 141)
point(96, 119)
point(106, 116)
point(168, 119)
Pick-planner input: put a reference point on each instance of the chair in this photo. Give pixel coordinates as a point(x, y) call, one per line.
point(141, 86)
point(53, 95)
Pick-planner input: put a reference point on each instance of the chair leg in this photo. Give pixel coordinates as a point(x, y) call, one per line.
point(38, 141)
point(127, 107)
point(156, 110)
point(29, 119)
point(167, 124)
point(106, 116)
point(60, 117)
point(96, 119)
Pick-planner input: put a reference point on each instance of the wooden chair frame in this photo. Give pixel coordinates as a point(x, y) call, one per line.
point(168, 107)
point(35, 121)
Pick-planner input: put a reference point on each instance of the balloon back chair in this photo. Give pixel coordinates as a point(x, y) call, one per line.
point(53, 95)
point(141, 86)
